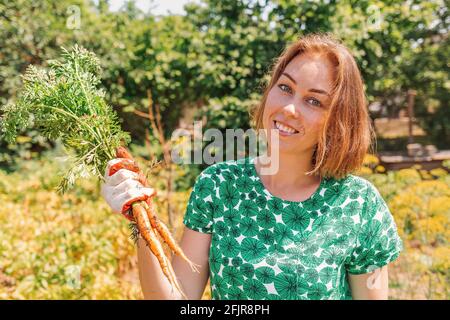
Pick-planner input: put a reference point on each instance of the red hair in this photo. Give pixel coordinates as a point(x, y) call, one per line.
point(347, 132)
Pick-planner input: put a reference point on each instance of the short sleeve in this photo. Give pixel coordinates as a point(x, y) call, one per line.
point(199, 211)
point(377, 242)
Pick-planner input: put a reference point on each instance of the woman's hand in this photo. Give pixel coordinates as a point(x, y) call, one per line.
point(123, 185)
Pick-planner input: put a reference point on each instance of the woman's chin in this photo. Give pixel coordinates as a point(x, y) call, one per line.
point(287, 148)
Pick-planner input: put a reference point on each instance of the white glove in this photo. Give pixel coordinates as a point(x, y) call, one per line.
point(123, 188)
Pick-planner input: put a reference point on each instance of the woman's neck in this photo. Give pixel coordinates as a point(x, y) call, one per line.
point(290, 178)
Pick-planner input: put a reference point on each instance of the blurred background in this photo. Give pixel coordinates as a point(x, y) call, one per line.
point(169, 63)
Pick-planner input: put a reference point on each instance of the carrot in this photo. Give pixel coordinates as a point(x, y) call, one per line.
point(122, 152)
point(151, 222)
point(153, 243)
point(165, 234)
point(154, 220)
point(127, 164)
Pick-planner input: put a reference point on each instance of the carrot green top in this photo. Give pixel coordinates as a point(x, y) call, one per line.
point(265, 247)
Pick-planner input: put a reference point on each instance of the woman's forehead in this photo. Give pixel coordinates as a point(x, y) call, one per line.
point(310, 69)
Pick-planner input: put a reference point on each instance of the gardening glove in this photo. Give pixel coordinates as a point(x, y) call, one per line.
point(123, 185)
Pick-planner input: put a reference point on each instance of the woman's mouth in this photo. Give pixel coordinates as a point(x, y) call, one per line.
point(284, 129)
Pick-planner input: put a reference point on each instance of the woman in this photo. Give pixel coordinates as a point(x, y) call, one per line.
point(311, 230)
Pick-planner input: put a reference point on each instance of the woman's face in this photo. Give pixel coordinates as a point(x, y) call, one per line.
point(297, 104)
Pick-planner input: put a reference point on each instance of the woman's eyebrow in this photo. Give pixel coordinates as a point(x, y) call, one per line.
point(312, 90)
point(287, 75)
point(319, 91)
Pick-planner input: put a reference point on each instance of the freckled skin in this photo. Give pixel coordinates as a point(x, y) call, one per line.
point(293, 105)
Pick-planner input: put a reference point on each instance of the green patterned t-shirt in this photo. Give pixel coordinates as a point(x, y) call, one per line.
point(267, 248)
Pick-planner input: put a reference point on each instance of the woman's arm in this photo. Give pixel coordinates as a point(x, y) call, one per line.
point(370, 286)
point(155, 285)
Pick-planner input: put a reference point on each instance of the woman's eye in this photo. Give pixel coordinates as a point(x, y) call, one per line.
point(281, 86)
point(314, 102)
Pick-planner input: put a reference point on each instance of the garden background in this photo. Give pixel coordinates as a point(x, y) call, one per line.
point(210, 64)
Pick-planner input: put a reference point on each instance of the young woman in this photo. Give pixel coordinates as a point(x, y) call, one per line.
point(312, 229)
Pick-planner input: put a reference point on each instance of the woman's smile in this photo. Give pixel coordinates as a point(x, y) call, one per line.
point(285, 129)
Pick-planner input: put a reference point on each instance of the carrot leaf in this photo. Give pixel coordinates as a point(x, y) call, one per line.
point(63, 101)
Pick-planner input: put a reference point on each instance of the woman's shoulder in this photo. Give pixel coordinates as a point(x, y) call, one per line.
point(369, 196)
point(355, 183)
point(370, 189)
point(357, 191)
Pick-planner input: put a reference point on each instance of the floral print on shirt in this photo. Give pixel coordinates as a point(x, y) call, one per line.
point(267, 248)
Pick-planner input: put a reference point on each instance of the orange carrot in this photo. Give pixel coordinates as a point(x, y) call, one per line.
point(166, 235)
point(153, 243)
point(124, 164)
point(122, 152)
point(154, 220)
point(147, 221)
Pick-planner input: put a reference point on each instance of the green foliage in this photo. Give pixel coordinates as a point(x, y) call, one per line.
point(28, 147)
point(228, 112)
point(64, 102)
point(224, 49)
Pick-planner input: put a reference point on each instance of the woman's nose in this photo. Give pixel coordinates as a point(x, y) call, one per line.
point(290, 111)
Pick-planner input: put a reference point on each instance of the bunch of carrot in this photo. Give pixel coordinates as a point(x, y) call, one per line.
point(150, 225)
